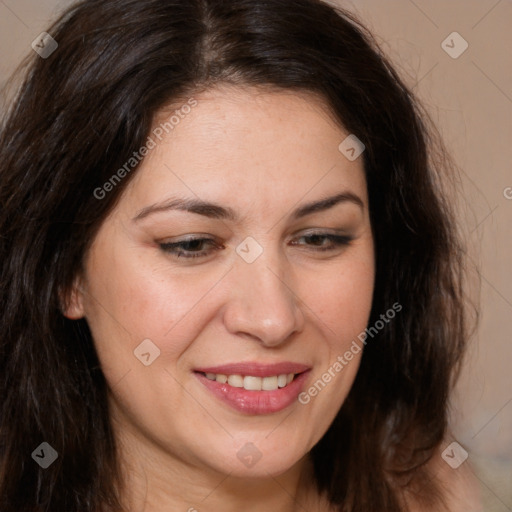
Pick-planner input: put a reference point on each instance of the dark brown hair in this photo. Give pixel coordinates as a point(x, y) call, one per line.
point(82, 112)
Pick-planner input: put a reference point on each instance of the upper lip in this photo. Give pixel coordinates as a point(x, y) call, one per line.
point(255, 369)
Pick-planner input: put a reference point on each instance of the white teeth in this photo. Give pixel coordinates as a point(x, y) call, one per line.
point(282, 380)
point(269, 383)
point(252, 383)
point(237, 381)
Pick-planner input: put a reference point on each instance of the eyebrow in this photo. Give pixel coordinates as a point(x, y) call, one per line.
point(215, 211)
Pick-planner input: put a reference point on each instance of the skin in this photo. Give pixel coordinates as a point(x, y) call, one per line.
point(262, 154)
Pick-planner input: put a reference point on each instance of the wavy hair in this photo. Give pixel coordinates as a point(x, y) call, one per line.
point(81, 112)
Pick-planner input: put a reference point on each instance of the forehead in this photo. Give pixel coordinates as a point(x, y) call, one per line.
point(243, 143)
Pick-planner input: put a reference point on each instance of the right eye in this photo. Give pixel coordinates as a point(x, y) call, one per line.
point(190, 247)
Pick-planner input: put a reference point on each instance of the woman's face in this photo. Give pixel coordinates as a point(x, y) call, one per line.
point(223, 259)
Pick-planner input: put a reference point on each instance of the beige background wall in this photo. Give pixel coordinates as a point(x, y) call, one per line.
point(470, 98)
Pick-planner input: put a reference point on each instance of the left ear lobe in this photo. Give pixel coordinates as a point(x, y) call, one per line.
point(72, 302)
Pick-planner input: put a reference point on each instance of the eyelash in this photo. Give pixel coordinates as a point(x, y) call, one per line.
point(178, 249)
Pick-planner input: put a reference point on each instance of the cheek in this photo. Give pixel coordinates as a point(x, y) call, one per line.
point(129, 300)
point(342, 300)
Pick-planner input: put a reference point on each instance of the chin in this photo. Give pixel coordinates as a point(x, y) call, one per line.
point(259, 459)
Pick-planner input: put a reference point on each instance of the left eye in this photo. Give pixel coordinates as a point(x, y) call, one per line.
point(324, 241)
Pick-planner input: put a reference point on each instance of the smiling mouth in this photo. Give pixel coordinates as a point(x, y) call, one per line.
point(255, 388)
point(251, 382)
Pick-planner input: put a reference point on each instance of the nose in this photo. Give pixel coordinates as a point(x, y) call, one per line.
point(262, 305)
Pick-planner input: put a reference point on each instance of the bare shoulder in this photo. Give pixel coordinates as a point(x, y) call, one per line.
point(460, 487)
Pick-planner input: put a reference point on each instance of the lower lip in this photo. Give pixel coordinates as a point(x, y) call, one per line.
point(256, 402)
